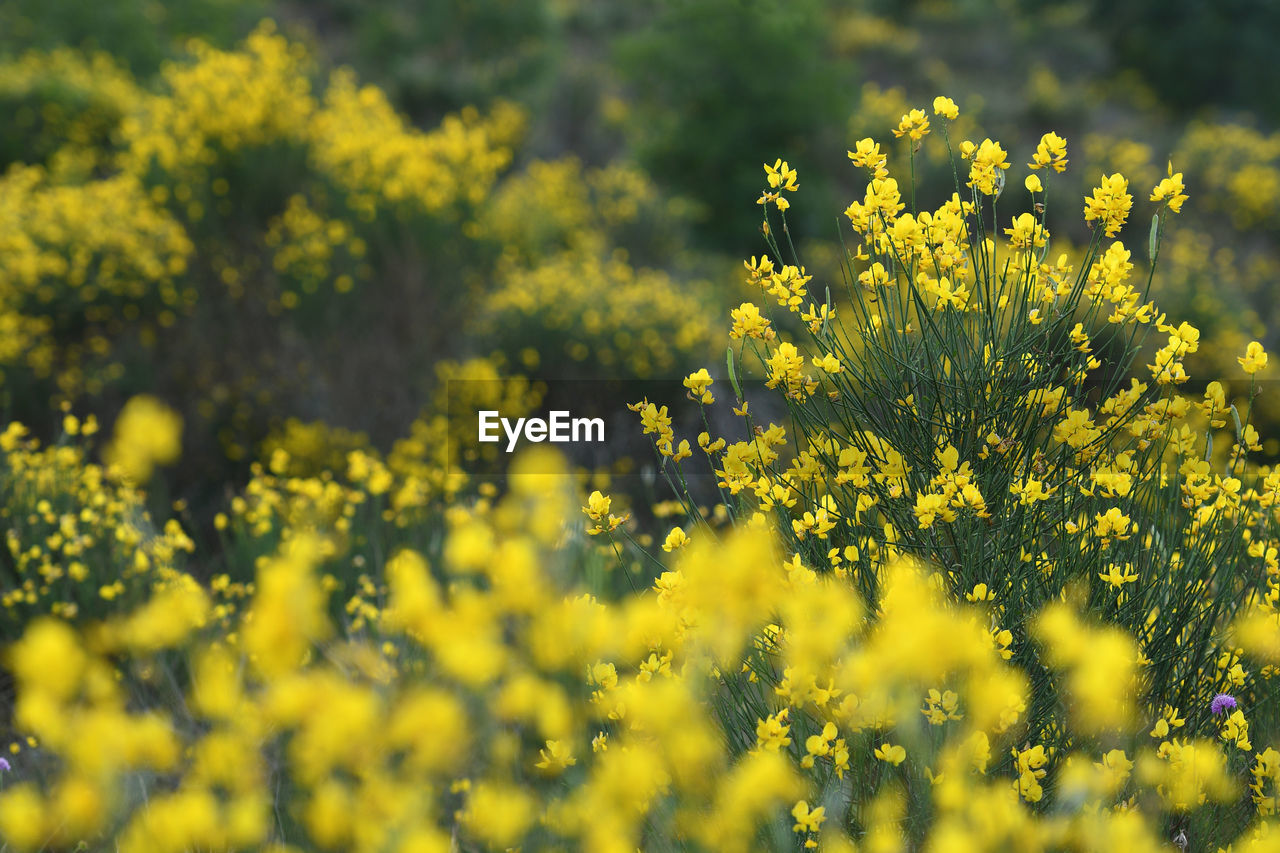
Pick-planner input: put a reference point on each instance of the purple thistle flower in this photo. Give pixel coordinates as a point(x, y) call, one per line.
point(1222, 703)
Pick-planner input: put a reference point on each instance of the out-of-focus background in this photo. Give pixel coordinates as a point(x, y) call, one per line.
point(294, 222)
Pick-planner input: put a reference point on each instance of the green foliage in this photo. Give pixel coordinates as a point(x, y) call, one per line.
point(140, 35)
point(437, 56)
point(1198, 55)
point(720, 86)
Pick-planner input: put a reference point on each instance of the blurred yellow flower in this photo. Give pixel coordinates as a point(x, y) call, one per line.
point(147, 433)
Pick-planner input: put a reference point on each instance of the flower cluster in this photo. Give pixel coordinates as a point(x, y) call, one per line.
point(978, 567)
point(967, 422)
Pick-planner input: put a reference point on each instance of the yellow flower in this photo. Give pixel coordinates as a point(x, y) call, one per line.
point(929, 507)
point(1113, 523)
point(981, 592)
point(807, 819)
point(24, 817)
point(941, 706)
point(1119, 575)
point(1026, 232)
point(1110, 204)
point(555, 757)
point(748, 323)
point(675, 540)
point(1032, 183)
point(498, 813)
point(866, 154)
point(597, 506)
point(1170, 191)
point(1169, 720)
point(781, 176)
point(699, 385)
point(1255, 358)
point(709, 446)
point(817, 316)
point(946, 108)
point(1031, 769)
point(819, 745)
point(1236, 729)
point(771, 732)
point(829, 363)
point(597, 509)
point(914, 124)
point(49, 659)
point(895, 755)
point(786, 367)
point(989, 165)
point(1051, 152)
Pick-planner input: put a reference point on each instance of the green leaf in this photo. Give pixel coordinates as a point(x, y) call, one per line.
point(733, 376)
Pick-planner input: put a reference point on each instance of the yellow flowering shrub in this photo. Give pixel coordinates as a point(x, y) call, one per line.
point(305, 449)
point(359, 142)
point(78, 543)
point(227, 116)
point(1240, 169)
point(973, 400)
point(556, 205)
point(239, 202)
point(577, 314)
point(184, 130)
point(242, 201)
point(330, 486)
point(66, 106)
point(310, 251)
point(80, 266)
point(1002, 578)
